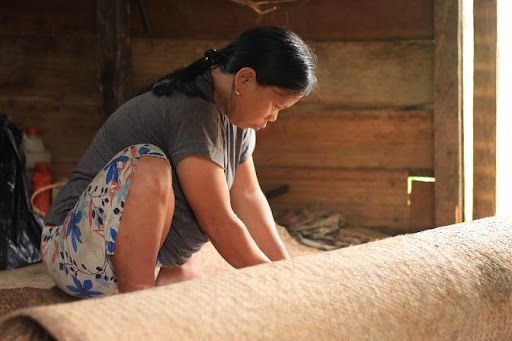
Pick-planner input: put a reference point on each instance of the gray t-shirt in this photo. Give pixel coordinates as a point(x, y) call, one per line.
point(180, 126)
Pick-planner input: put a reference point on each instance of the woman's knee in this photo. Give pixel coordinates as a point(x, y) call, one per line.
point(153, 180)
point(154, 174)
point(145, 223)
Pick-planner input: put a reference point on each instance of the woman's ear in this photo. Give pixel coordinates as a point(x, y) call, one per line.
point(244, 76)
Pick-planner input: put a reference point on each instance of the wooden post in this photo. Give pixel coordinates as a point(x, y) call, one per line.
point(447, 112)
point(113, 32)
point(484, 111)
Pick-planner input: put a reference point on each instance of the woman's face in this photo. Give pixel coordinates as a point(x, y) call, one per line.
point(257, 105)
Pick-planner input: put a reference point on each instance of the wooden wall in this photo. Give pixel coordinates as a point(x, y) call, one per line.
point(48, 76)
point(350, 146)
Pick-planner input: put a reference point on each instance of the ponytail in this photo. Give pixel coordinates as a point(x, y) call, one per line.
point(183, 79)
point(279, 57)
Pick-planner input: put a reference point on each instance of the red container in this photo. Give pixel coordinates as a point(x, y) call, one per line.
point(42, 177)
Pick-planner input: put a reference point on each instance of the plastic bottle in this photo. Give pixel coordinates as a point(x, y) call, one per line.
point(34, 150)
point(42, 177)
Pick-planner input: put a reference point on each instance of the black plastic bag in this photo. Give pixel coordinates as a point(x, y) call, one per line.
point(20, 227)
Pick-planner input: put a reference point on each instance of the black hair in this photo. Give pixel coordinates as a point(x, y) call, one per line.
point(279, 57)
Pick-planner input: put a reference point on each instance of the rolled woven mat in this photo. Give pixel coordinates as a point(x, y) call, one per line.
point(450, 283)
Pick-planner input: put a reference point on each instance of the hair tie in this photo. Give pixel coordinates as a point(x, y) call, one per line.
point(210, 57)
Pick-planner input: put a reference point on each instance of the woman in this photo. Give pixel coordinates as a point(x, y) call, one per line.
point(172, 168)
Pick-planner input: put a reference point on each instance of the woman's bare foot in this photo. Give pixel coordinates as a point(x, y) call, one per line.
point(175, 274)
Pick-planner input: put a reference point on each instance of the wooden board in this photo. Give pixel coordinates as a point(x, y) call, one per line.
point(49, 18)
point(376, 74)
point(421, 206)
point(49, 69)
point(484, 109)
point(316, 19)
point(66, 130)
point(113, 27)
point(371, 198)
point(221, 19)
point(323, 136)
point(447, 113)
point(351, 74)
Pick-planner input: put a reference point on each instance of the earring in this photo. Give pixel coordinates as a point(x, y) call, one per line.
point(237, 93)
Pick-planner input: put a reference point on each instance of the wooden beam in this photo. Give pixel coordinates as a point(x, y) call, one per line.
point(484, 109)
point(113, 32)
point(447, 112)
point(317, 19)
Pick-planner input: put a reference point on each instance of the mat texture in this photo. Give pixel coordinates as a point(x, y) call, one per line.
point(450, 283)
point(31, 286)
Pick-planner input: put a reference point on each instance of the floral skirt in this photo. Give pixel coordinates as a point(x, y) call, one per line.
point(77, 254)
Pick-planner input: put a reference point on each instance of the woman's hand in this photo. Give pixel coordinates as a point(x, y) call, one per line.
point(204, 185)
point(251, 205)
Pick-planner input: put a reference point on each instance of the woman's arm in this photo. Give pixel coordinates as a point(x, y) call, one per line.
point(251, 205)
point(205, 188)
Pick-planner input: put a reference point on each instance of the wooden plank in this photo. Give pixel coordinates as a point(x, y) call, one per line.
point(370, 198)
point(113, 28)
point(323, 136)
point(49, 69)
point(48, 18)
point(318, 19)
point(66, 130)
point(376, 74)
point(351, 74)
point(421, 206)
point(484, 109)
point(447, 113)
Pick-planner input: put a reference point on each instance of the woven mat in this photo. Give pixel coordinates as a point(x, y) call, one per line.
point(12, 299)
point(449, 283)
point(16, 298)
